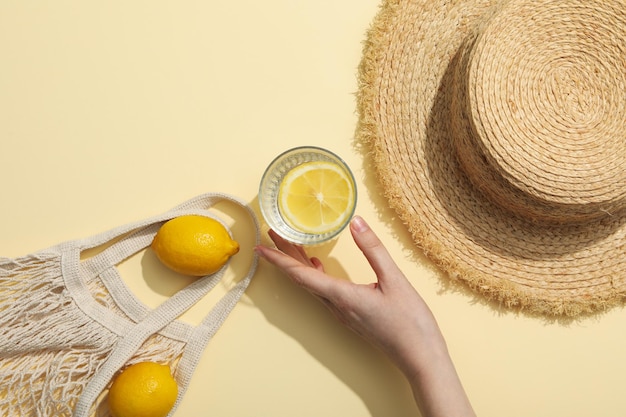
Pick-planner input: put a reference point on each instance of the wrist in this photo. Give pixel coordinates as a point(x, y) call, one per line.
point(436, 385)
point(425, 359)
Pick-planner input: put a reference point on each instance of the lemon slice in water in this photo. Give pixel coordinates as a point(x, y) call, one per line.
point(316, 197)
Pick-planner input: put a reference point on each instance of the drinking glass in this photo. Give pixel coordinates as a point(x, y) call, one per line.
point(272, 181)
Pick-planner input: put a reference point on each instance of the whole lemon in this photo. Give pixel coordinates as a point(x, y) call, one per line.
point(194, 245)
point(145, 389)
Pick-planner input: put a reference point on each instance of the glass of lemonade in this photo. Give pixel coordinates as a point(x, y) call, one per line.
point(307, 195)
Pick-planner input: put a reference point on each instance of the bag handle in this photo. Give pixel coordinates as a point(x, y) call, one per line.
point(134, 242)
point(202, 335)
point(170, 309)
point(201, 202)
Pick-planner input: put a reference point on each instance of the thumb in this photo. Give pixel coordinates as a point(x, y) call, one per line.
point(375, 252)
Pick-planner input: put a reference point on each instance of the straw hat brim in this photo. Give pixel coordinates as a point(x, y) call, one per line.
point(404, 121)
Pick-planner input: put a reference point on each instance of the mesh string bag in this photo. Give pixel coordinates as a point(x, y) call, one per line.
point(68, 323)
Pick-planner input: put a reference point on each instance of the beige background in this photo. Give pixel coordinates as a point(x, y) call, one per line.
point(111, 112)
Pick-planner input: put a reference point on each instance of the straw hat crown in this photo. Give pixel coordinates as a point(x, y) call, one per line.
point(539, 109)
point(498, 130)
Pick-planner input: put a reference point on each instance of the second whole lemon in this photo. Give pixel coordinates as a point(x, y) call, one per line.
point(194, 245)
point(145, 389)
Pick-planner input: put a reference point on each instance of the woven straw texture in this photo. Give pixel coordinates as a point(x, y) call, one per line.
point(498, 132)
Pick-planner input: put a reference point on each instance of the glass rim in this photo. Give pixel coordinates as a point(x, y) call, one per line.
point(312, 238)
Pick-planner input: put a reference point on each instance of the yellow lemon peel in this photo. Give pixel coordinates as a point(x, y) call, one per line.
point(194, 245)
point(145, 389)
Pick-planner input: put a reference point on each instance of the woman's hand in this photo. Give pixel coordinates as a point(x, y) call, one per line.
point(389, 313)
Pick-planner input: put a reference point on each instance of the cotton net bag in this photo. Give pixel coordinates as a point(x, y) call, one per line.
point(69, 323)
point(498, 132)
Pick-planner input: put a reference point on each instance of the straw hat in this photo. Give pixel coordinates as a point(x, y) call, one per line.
point(498, 130)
